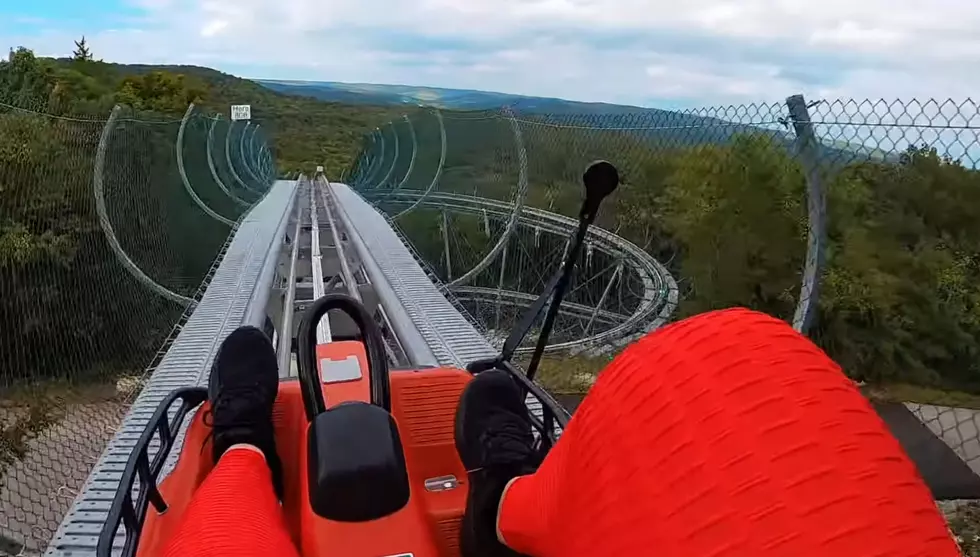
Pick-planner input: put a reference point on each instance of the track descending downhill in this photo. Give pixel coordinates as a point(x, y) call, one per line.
point(621, 291)
point(447, 228)
point(655, 302)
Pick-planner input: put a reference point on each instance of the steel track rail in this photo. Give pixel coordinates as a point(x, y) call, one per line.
point(660, 293)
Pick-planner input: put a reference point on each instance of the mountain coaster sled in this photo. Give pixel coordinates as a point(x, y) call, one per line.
point(370, 467)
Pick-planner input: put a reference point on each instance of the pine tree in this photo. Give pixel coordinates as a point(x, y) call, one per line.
point(82, 51)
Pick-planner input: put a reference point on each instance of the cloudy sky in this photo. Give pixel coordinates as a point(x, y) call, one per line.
point(646, 52)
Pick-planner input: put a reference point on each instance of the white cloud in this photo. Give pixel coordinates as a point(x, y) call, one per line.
point(850, 34)
point(676, 77)
point(214, 27)
point(637, 51)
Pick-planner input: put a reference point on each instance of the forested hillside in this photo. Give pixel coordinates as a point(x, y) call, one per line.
point(901, 288)
point(900, 301)
point(67, 309)
point(304, 131)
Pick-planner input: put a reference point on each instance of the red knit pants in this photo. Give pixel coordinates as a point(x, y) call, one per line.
point(234, 513)
point(723, 435)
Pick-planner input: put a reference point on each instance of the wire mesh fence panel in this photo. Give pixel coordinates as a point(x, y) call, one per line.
point(481, 158)
point(425, 159)
point(102, 251)
point(404, 163)
point(378, 173)
point(899, 295)
point(158, 224)
point(218, 163)
point(54, 328)
point(214, 195)
point(855, 221)
point(224, 152)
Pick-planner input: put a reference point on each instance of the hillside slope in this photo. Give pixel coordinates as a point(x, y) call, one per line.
point(449, 99)
point(659, 126)
point(306, 132)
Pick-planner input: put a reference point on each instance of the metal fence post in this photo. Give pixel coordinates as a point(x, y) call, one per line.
point(808, 151)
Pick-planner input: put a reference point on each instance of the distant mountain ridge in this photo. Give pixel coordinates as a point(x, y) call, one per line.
point(452, 99)
point(666, 127)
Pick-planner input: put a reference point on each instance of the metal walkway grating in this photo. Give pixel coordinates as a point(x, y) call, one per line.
point(221, 310)
point(452, 339)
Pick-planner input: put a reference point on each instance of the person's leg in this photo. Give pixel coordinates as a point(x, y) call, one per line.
point(236, 509)
point(724, 434)
point(493, 439)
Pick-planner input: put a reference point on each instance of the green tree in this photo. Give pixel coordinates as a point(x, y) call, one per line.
point(82, 52)
point(160, 91)
point(55, 265)
point(736, 213)
point(25, 81)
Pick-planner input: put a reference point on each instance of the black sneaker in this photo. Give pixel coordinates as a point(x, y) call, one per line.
point(242, 389)
point(494, 441)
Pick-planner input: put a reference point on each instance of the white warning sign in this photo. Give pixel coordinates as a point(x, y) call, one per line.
point(241, 112)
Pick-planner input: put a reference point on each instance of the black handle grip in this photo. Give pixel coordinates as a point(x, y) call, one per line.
point(309, 376)
point(601, 179)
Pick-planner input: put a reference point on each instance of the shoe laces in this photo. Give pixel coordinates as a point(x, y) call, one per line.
point(506, 440)
point(231, 406)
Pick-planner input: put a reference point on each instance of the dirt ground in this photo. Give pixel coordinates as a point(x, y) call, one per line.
point(49, 445)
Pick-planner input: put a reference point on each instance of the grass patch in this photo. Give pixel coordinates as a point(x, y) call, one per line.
point(963, 518)
point(569, 375)
point(24, 422)
point(901, 392)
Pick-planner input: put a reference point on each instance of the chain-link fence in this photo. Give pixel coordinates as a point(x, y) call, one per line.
point(109, 227)
point(855, 221)
point(451, 180)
